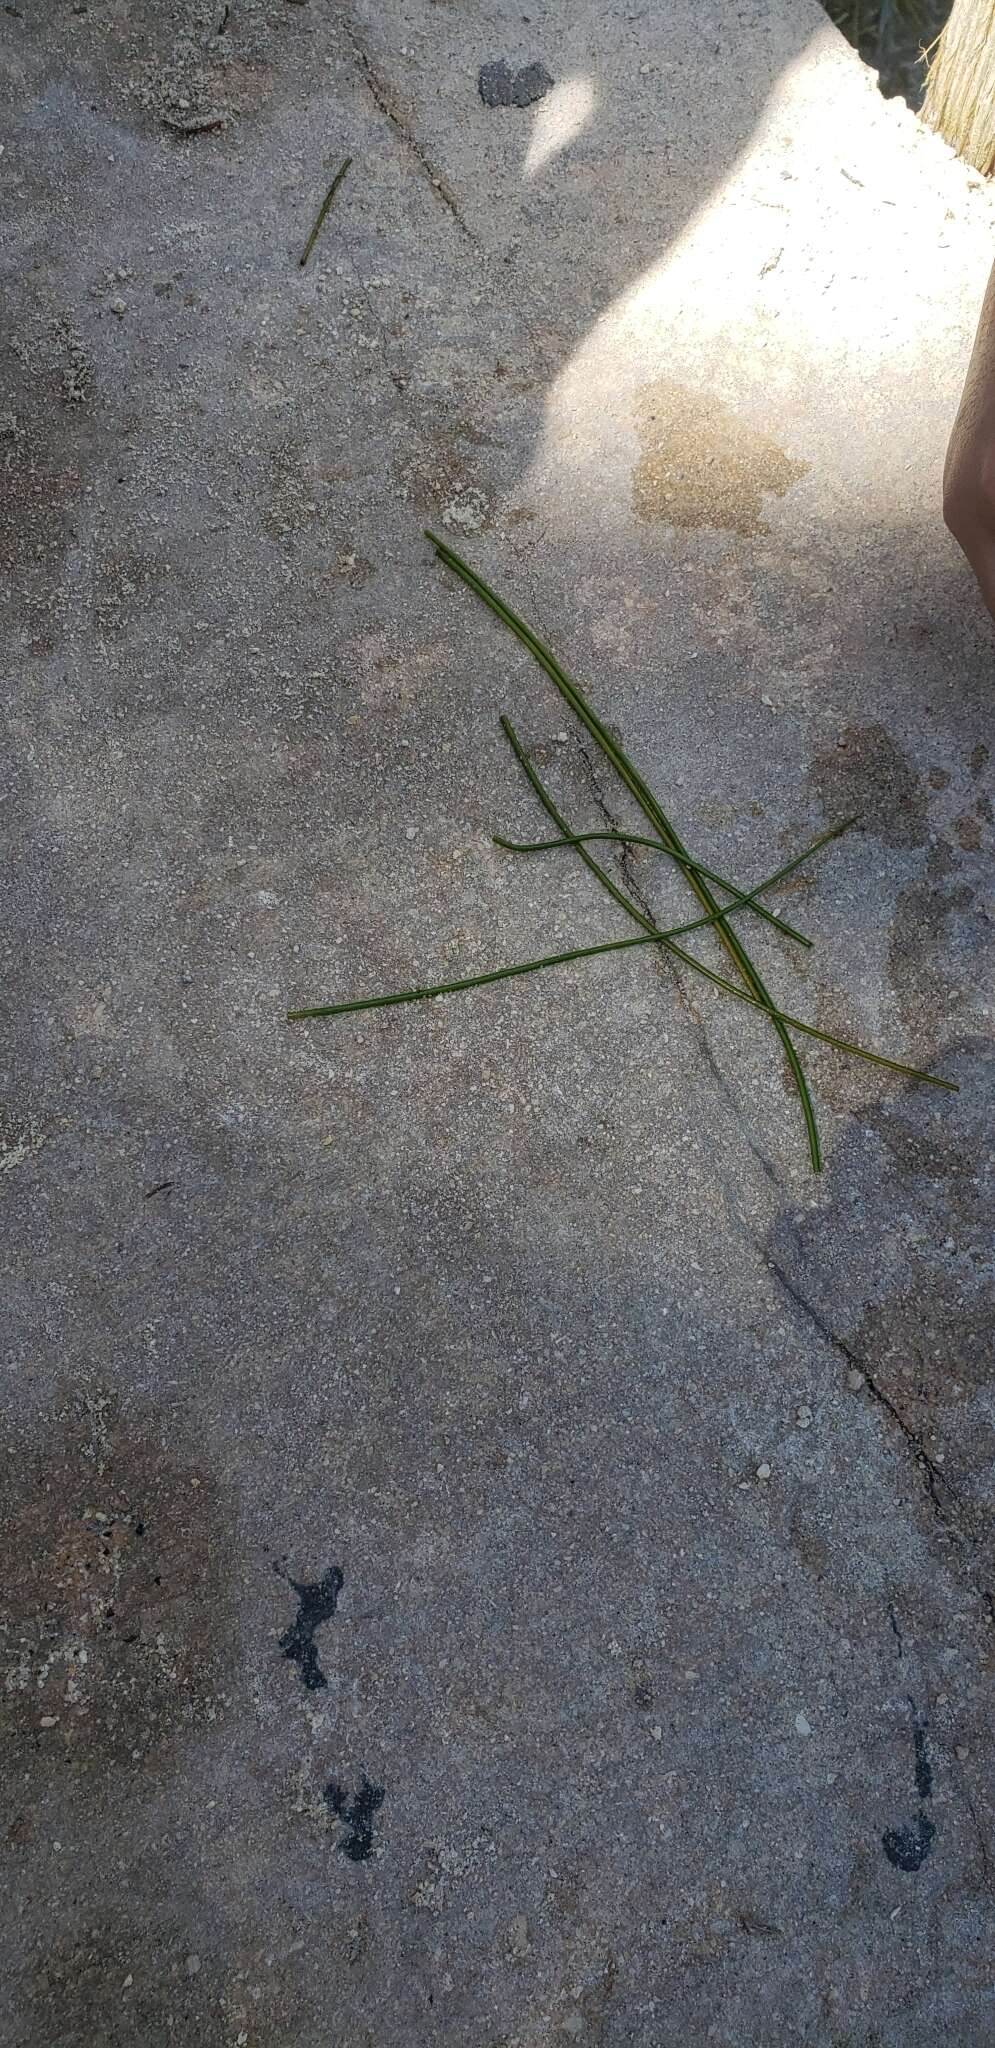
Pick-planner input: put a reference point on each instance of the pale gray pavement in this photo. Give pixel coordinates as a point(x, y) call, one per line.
point(496, 1309)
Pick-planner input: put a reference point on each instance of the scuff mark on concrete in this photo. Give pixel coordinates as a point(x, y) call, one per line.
point(16, 1151)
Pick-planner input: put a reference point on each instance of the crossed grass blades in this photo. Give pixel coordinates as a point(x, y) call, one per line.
point(663, 839)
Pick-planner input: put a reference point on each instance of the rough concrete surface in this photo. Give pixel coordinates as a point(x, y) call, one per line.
point(494, 1551)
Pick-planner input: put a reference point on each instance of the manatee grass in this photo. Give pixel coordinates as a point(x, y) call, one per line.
point(651, 809)
point(665, 841)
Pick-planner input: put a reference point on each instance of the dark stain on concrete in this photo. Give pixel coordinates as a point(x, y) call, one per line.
point(46, 443)
point(117, 1630)
point(934, 1151)
point(907, 1847)
point(317, 1603)
point(642, 1686)
point(968, 830)
point(924, 1769)
point(701, 466)
point(357, 1816)
point(867, 775)
point(927, 933)
point(929, 1344)
point(126, 585)
point(120, 1983)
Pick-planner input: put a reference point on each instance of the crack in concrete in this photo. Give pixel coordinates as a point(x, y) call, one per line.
point(385, 99)
point(988, 1872)
point(614, 824)
point(683, 994)
point(936, 1482)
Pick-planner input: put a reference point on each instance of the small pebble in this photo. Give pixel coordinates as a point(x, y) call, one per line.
point(763, 1472)
point(193, 1965)
point(49, 1721)
point(802, 1725)
point(118, 308)
point(803, 1417)
point(658, 1733)
point(562, 737)
point(518, 1935)
point(855, 1380)
point(962, 1752)
point(411, 832)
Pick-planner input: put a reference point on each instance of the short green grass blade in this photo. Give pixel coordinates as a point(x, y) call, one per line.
point(323, 210)
point(657, 846)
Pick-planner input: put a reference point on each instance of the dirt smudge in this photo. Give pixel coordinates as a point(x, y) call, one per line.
point(929, 1347)
point(867, 775)
point(117, 1980)
point(925, 945)
point(116, 1616)
point(701, 465)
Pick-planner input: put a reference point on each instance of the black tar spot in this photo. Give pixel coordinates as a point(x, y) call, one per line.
point(908, 1848)
point(358, 1817)
point(317, 1605)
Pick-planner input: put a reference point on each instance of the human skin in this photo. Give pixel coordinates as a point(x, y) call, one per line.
point(969, 472)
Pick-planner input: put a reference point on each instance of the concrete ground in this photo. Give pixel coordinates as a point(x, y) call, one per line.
point(494, 1551)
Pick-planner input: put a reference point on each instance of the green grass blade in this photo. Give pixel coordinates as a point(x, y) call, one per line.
point(657, 846)
point(580, 840)
point(531, 772)
point(323, 210)
point(648, 803)
point(452, 988)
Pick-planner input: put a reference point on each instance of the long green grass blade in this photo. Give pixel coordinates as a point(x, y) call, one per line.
point(648, 803)
point(452, 988)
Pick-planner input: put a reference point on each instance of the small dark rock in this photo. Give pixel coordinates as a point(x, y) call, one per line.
point(499, 87)
point(496, 84)
point(531, 84)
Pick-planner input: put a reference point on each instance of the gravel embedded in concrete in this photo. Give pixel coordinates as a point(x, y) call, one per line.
point(395, 1620)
